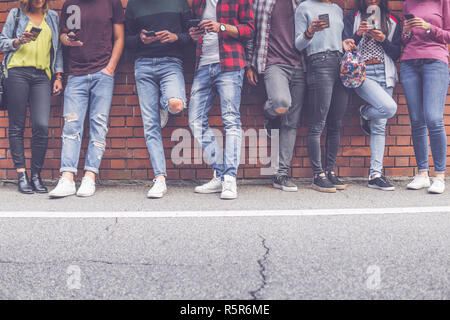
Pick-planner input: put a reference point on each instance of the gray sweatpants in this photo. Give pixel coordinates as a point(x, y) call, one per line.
point(285, 86)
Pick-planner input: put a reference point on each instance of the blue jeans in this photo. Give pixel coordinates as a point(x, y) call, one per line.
point(381, 108)
point(209, 81)
point(95, 91)
point(425, 82)
point(157, 81)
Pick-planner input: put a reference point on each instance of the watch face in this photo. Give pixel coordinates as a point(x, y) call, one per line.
point(222, 27)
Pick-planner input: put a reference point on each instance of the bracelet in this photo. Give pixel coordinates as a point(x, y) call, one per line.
point(307, 36)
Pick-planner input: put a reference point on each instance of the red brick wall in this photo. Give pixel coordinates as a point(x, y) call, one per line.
point(126, 156)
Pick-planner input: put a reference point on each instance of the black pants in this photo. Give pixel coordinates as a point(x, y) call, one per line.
point(328, 99)
point(31, 85)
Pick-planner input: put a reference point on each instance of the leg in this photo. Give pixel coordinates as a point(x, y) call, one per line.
point(290, 121)
point(381, 103)
point(202, 98)
point(18, 87)
point(411, 77)
point(147, 84)
point(338, 107)
point(229, 87)
point(76, 101)
point(320, 90)
point(40, 94)
point(101, 92)
point(276, 79)
point(435, 86)
point(173, 88)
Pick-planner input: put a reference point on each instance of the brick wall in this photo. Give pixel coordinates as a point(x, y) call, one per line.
point(126, 156)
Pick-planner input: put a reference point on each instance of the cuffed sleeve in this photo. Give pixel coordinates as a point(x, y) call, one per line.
point(7, 38)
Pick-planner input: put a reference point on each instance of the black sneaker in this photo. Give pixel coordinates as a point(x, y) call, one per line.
point(381, 183)
point(322, 184)
point(284, 183)
point(338, 184)
point(270, 124)
point(365, 124)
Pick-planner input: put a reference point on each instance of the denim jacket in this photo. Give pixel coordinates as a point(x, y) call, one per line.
point(7, 38)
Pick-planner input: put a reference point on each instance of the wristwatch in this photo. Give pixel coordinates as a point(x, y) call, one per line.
point(223, 28)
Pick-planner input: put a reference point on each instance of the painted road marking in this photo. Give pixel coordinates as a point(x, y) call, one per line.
point(223, 213)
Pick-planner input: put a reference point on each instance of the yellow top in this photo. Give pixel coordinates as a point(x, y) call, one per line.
point(35, 53)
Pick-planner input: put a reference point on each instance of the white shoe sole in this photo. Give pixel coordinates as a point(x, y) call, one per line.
point(56, 196)
point(228, 197)
point(284, 188)
point(417, 188)
point(380, 188)
point(435, 191)
point(156, 195)
point(207, 191)
point(85, 195)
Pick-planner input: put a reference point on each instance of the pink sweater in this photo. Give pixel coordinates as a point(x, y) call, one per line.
point(433, 45)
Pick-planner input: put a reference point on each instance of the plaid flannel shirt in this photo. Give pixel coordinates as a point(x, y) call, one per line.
point(238, 13)
point(258, 46)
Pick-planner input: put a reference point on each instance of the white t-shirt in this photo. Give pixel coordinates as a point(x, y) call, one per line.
point(210, 45)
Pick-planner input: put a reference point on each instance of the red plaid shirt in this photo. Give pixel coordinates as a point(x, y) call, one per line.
point(238, 13)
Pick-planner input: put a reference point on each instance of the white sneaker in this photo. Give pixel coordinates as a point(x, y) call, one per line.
point(63, 189)
point(87, 187)
point(158, 189)
point(213, 186)
point(164, 117)
point(229, 188)
point(419, 182)
point(438, 186)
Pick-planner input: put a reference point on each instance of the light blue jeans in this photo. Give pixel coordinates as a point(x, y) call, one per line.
point(157, 81)
point(210, 81)
point(95, 91)
point(425, 82)
point(381, 108)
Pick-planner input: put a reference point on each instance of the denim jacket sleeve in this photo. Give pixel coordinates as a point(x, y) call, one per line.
point(7, 38)
point(59, 66)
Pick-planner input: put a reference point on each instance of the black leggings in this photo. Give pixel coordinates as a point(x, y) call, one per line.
point(31, 85)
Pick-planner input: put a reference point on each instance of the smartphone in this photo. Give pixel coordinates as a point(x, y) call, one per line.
point(193, 23)
point(150, 34)
point(409, 16)
point(35, 31)
point(72, 36)
point(325, 18)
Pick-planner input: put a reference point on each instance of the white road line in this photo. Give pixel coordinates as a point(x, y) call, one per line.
point(224, 213)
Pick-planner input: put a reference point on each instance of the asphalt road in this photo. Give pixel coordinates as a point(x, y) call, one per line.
point(358, 256)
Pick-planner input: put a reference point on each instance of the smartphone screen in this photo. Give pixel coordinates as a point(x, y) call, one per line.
point(325, 18)
point(193, 23)
point(150, 34)
point(35, 31)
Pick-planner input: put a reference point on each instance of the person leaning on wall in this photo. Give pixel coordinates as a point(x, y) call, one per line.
point(93, 34)
point(322, 40)
point(379, 48)
point(424, 75)
point(33, 58)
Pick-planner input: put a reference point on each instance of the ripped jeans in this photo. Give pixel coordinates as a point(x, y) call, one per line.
point(94, 90)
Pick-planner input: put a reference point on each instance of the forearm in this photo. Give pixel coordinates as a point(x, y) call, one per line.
point(232, 31)
point(119, 44)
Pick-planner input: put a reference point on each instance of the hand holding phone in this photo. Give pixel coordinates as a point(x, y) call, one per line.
point(193, 23)
point(150, 33)
point(409, 16)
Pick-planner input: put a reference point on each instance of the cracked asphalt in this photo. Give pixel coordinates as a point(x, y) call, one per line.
point(391, 256)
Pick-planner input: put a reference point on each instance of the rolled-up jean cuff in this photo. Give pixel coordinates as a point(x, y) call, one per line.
point(68, 169)
point(439, 172)
point(91, 169)
point(424, 170)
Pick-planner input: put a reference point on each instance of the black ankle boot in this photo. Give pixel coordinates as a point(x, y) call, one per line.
point(24, 183)
point(36, 183)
